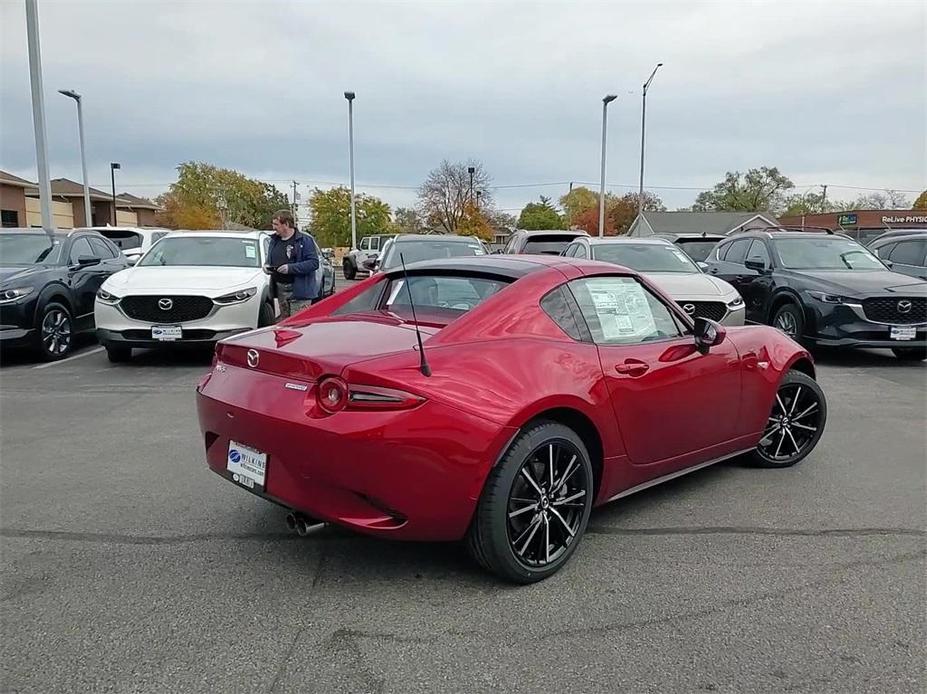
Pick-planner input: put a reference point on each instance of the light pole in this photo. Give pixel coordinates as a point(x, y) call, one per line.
point(471, 170)
point(350, 97)
point(88, 219)
point(640, 192)
point(605, 102)
point(112, 176)
point(38, 114)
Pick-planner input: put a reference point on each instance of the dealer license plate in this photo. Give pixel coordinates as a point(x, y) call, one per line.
point(247, 465)
point(166, 333)
point(903, 332)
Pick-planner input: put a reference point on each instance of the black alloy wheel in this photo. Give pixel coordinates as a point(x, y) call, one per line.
point(535, 505)
point(795, 424)
point(789, 320)
point(55, 336)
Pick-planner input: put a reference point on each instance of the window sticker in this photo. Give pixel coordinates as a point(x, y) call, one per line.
point(622, 309)
point(250, 251)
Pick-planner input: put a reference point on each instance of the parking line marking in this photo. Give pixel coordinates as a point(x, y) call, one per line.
point(62, 361)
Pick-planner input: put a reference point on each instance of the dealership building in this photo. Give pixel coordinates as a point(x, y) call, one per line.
point(854, 220)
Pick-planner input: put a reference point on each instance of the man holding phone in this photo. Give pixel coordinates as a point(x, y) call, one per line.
point(292, 264)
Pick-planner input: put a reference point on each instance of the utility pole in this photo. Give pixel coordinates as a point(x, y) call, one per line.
point(824, 198)
point(38, 115)
point(295, 206)
point(350, 97)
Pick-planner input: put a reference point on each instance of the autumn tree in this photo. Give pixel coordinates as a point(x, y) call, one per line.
point(330, 216)
point(206, 197)
point(758, 190)
point(620, 213)
point(921, 202)
point(540, 215)
point(445, 195)
point(576, 203)
point(475, 223)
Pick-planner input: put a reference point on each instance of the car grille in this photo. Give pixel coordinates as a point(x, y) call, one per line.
point(896, 310)
point(713, 310)
point(182, 308)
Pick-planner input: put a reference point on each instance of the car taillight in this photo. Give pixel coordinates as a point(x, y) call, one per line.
point(334, 395)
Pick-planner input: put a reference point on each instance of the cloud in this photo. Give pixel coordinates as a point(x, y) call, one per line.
point(828, 92)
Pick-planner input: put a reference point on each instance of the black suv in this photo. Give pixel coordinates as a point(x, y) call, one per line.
point(824, 289)
point(48, 286)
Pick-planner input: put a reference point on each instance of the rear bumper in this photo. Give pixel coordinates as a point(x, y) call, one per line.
point(411, 475)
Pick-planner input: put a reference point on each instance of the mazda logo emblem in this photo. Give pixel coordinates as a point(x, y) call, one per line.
point(904, 306)
point(689, 308)
point(253, 358)
point(165, 304)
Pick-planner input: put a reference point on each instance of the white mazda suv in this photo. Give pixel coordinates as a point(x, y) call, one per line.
point(189, 287)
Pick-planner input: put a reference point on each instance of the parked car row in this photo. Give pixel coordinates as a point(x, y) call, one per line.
point(184, 288)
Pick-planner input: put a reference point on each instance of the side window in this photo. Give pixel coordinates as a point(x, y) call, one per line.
point(721, 250)
point(365, 243)
point(737, 253)
point(375, 243)
point(157, 235)
point(909, 252)
point(884, 251)
point(560, 311)
point(570, 251)
point(80, 247)
point(759, 253)
point(101, 250)
point(581, 251)
point(620, 311)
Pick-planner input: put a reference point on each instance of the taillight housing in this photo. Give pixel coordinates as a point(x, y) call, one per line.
point(333, 394)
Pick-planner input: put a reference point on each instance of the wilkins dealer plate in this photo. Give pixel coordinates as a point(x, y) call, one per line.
point(247, 465)
point(166, 333)
point(903, 332)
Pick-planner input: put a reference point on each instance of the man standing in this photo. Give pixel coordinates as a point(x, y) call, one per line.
point(292, 264)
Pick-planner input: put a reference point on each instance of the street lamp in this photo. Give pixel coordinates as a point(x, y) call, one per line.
point(112, 175)
point(471, 170)
point(605, 102)
point(38, 114)
point(350, 97)
point(640, 192)
point(88, 219)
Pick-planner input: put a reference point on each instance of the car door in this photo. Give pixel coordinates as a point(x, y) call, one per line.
point(674, 406)
point(85, 279)
point(908, 257)
point(755, 281)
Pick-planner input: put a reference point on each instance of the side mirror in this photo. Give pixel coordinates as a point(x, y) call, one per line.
point(708, 334)
point(888, 263)
point(703, 266)
point(87, 261)
point(132, 259)
point(757, 265)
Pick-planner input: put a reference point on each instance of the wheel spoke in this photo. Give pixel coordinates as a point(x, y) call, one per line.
point(533, 523)
point(571, 468)
point(524, 509)
point(578, 495)
point(795, 400)
point(811, 408)
point(794, 442)
point(565, 524)
point(534, 528)
point(551, 467)
point(779, 447)
point(803, 426)
point(527, 476)
point(781, 405)
point(547, 538)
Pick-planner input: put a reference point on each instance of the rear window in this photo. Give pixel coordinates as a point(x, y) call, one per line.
point(419, 249)
point(438, 298)
point(123, 238)
point(697, 250)
point(548, 244)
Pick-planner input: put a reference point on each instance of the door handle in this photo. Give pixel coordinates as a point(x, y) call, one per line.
point(632, 368)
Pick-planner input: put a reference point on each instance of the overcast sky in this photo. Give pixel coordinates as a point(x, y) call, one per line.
point(830, 92)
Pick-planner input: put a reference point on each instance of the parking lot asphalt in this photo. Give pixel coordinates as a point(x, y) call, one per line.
point(128, 566)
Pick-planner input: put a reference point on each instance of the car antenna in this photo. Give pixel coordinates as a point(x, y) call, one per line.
point(425, 369)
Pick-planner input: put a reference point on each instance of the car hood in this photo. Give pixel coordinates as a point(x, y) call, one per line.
point(14, 274)
point(856, 283)
point(693, 285)
point(177, 280)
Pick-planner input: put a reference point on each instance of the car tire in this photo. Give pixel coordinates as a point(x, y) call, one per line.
point(537, 498)
point(55, 332)
point(795, 424)
point(118, 354)
point(350, 272)
point(266, 315)
point(911, 353)
point(789, 319)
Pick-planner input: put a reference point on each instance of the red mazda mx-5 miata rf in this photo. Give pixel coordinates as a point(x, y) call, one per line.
point(496, 399)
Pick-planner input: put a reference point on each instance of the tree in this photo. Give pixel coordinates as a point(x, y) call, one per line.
point(474, 223)
point(806, 203)
point(445, 194)
point(407, 220)
point(884, 200)
point(758, 190)
point(921, 202)
point(540, 215)
point(207, 197)
point(576, 202)
point(330, 216)
point(620, 213)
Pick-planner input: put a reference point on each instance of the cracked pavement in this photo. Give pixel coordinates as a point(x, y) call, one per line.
point(128, 566)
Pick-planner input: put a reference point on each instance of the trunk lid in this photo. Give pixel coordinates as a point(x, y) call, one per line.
point(322, 346)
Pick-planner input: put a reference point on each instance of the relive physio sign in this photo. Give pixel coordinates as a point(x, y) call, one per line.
point(905, 219)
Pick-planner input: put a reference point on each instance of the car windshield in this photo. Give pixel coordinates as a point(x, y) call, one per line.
point(28, 249)
point(439, 299)
point(212, 251)
point(825, 254)
point(697, 250)
point(415, 251)
point(550, 244)
point(645, 257)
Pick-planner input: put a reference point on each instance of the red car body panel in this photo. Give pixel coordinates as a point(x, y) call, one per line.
point(418, 473)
